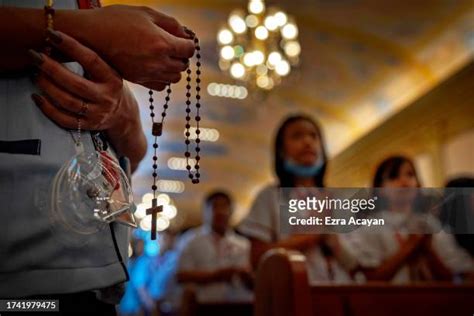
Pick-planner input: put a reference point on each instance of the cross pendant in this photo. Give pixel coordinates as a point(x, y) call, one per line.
point(153, 211)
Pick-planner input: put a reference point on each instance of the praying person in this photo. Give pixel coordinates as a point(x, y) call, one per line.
point(217, 259)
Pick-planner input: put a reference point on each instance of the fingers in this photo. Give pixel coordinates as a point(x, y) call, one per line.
point(63, 77)
point(89, 60)
point(62, 98)
point(182, 48)
point(61, 118)
point(176, 64)
point(155, 85)
point(169, 24)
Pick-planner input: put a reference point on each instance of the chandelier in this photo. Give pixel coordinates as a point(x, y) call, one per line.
point(259, 46)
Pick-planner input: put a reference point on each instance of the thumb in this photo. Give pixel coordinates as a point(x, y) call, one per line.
point(171, 25)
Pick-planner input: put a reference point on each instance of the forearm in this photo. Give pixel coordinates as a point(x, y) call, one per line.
point(439, 269)
point(22, 29)
point(387, 270)
point(127, 136)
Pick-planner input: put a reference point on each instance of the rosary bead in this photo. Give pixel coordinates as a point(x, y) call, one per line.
point(188, 94)
point(198, 64)
point(152, 114)
point(154, 174)
point(165, 106)
point(168, 90)
point(188, 87)
point(150, 92)
point(196, 167)
point(198, 105)
point(198, 174)
point(198, 149)
point(188, 118)
point(188, 79)
point(187, 134)
point(198, 72)
point(188, 167)
point(198, 131)
point(190, 176)
point(198, 88)
point(198, 80)
point(198, 96)
point(187, 142)
point(153, 187)
point(198, 158)
point(188, 110)
point(198, 118)
point(155, 166)
point(155, 158)
point(188, 102)
point(187, 154)
point(151, 100)
point(152, 107)
point(195, 181)
point(198, 140)
point(188, 126)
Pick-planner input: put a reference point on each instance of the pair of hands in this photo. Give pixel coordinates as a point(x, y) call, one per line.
point(154, 55)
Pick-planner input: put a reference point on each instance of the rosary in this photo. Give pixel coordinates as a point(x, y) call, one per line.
point(98, 175)
point(157, 129)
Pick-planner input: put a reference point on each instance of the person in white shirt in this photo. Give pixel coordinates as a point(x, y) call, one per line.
point(216, 259)
point(400, 252)
point(300, 161)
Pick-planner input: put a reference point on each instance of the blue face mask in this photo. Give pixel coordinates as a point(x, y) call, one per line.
point(304, 171)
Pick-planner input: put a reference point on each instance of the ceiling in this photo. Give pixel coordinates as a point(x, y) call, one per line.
point(362, 61)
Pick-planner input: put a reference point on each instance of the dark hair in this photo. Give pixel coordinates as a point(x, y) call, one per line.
point(287, 179)
point(218, 194)
point(391, 167)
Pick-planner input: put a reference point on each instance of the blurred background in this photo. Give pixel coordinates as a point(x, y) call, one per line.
point(381, 77)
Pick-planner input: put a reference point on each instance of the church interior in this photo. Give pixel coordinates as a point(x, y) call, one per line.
point(298, 99)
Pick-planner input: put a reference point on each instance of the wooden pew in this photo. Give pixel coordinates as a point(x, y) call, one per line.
point(191, 307)
point(282, 289)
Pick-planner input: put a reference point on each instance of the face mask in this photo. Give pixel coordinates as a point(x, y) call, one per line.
point(304, 171)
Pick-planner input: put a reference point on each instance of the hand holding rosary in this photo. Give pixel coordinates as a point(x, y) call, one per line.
point(91, 190)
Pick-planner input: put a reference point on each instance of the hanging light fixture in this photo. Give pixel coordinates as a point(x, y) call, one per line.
point(259, 46)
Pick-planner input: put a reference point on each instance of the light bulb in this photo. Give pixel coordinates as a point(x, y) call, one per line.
point(292, 48)
point(271, 23)
point(256, 6)
point(251, 20)
point(227, 52)
point(225, 37)
point(259, 57)
point(261, 33)
point(237, 70)
point(289, 31)
point(280, 18)
point(237, 24)
point(282, 68)
point(274, 58)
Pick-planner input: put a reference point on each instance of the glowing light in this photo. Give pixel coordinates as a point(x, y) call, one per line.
point(146, 198)
point(292, 48)
point(237, 24)
point(178, 163)
point(256, 6)
point(259, 57)
point(271, 23)
point(225, 37)
point(262, 81)
point(251, 20)
point(282, 68)
point(261, 70)
point(227, 52)
point(289, 31)
point(237, 70)
point(163, 199)
point(274, 58)
point(170, 186)
point(162, 223)
point(141, 211)
point(261, 33)
point(169, 211)
point(281, 18)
